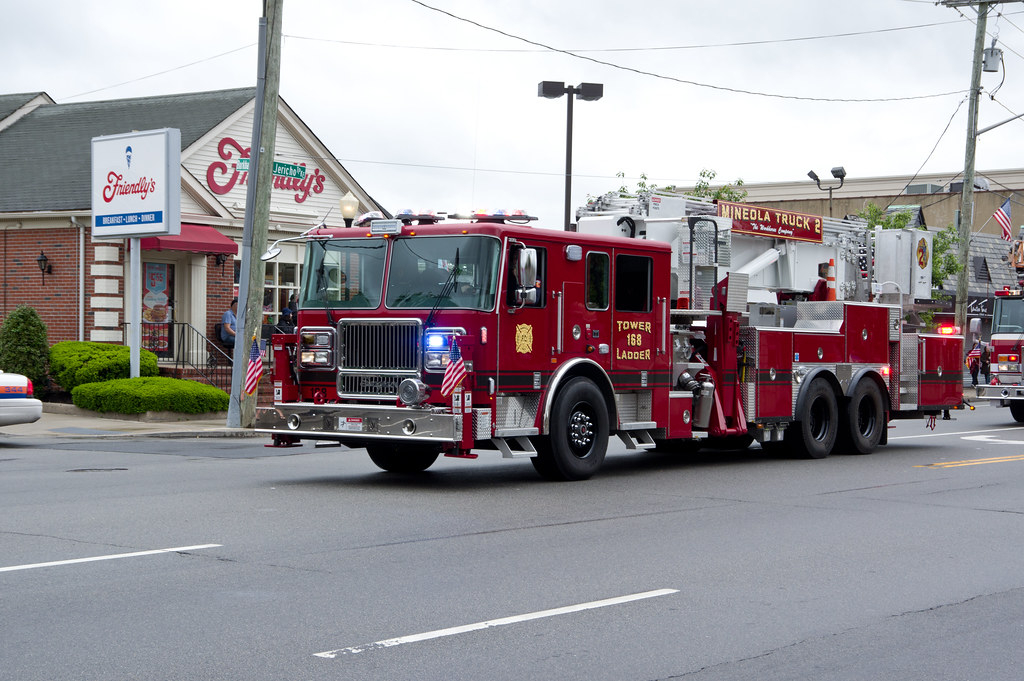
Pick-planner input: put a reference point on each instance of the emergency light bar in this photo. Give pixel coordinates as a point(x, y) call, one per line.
point(515, 216)
point(948, 330)
point(407, 216)
point(1007, 291)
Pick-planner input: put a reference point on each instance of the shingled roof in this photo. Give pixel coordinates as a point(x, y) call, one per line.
point(11, 103)
point(985, 260)
point(47, 153)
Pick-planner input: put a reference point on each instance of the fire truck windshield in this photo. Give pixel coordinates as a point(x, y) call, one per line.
point(1008, 315)
point(421, 266)
point(344, 273)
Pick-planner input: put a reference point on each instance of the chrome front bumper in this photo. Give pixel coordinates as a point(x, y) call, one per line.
point(359, 421)
point(999, 392)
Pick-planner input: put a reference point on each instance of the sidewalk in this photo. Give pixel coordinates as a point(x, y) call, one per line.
point(67, 420)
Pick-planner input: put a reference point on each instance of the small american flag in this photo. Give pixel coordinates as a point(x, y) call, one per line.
point(254, 370)
point(975, 351)
point(1002, 216)
point(455, 372)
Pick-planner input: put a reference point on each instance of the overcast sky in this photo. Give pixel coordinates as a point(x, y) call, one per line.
point(432, 112)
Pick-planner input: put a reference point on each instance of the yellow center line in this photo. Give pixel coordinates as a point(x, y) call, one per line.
point(972, 462)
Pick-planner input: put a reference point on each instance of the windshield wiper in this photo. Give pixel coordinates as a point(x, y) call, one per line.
point(446, 290)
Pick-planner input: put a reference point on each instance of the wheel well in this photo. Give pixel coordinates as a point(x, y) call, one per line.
point(829, 378)
point(588, 370)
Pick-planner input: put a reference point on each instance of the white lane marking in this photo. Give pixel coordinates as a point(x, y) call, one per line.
point(425, 636)
point(135, 554)
point(991, 438)
point(964, 432)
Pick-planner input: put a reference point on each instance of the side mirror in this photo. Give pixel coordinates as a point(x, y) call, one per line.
point(975, 325)
point(527, 267)
point(526, 272)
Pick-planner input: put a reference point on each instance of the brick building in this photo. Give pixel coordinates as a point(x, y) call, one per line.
point(77, 283)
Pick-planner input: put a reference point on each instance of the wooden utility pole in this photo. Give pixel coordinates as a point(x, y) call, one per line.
point(242, 407)
point(967, 198)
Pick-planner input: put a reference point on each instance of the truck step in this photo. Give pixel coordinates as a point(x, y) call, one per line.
point(523, 448)
point(636, 439)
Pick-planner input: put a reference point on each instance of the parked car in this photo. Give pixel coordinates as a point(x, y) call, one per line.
point(16, 402)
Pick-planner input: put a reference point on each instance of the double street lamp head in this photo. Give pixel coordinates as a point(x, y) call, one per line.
point(553, 89)
point(839, 172)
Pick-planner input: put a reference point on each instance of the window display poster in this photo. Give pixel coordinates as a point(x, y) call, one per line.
point(156, 308)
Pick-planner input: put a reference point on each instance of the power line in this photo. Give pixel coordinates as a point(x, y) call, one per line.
point(160, 73)
point(684, 81)
point(744, 43)
point(927, 158)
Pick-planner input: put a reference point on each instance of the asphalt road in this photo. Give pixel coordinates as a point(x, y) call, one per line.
point(310, 563)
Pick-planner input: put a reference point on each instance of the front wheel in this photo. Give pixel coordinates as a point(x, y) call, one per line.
point(1017, 410)
point(401, 457)
point(578, 440)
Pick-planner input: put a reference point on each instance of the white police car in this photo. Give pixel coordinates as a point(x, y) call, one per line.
point(16, 402)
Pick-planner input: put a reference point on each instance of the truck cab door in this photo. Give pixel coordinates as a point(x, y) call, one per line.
point(639, 354)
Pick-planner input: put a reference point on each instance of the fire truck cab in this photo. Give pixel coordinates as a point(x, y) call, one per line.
point(1006, 388)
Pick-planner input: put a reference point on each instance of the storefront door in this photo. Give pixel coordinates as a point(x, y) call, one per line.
point(158, 308)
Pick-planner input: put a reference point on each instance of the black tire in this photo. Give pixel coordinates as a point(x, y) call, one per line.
point(578, 440)
point(1017, 410)
point(864, 420)
point(400, 457)
point(815, 435)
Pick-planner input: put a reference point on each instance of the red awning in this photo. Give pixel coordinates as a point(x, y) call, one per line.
point(194, 239)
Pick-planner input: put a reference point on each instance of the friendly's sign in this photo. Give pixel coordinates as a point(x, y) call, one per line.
point(136, 184)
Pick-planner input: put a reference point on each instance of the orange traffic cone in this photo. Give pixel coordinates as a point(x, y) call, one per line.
point(831, 280)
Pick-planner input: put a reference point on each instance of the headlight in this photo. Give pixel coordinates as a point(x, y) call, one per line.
point(321, 338)
point(317, 348)
point(436, 360)
point(315, 357)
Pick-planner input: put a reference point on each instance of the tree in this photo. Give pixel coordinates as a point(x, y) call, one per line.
point(727, 192)
point(702, 190)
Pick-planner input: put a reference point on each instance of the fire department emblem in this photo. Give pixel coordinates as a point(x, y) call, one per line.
point(524, 338)
point(922, 254)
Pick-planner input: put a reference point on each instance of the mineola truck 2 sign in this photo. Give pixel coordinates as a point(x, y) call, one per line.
point(136, 184)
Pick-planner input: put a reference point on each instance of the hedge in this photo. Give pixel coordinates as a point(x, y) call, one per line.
point(23, 346)
point(139, 395)
point(74, 363)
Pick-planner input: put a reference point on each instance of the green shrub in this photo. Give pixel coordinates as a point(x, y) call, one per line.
point(23, 345)
point(74, 363)
point(139, 395)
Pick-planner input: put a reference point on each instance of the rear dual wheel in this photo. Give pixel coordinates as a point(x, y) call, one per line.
point(865, 419)
point(814, 436)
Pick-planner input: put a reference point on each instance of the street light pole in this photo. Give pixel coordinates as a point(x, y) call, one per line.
point(589, 92)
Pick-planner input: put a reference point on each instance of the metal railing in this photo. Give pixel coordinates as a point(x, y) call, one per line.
point(192, 352)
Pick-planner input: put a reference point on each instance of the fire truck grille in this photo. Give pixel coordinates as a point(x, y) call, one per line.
point(375, 357)
point(362, 384)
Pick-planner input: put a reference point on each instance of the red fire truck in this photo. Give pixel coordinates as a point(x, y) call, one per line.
point(566, 339)
point(1006, 388)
